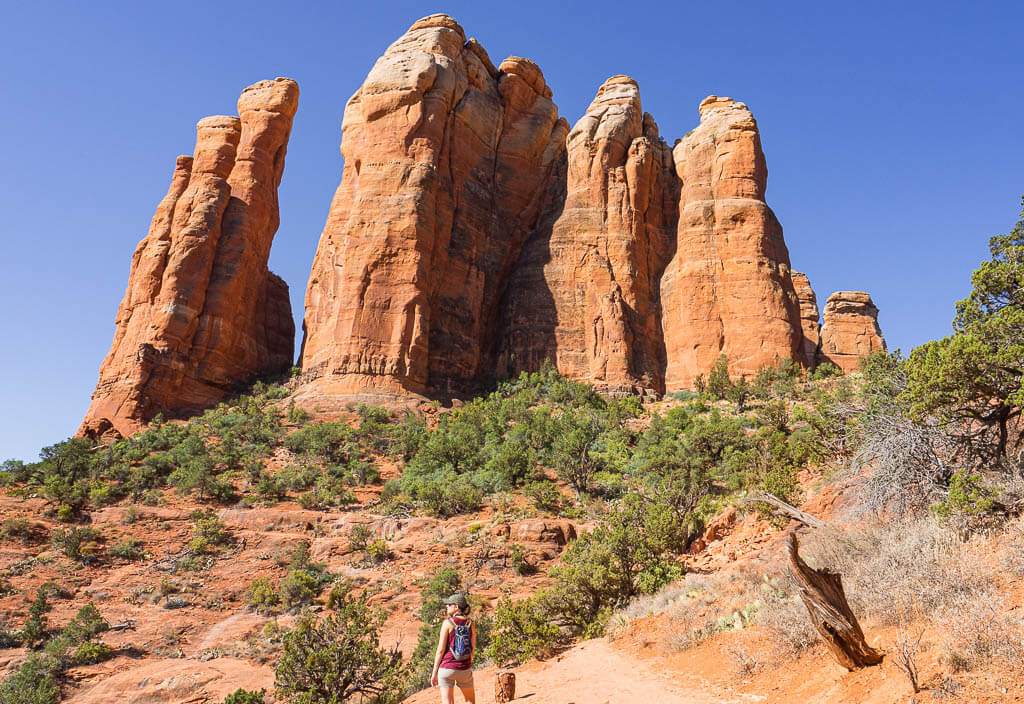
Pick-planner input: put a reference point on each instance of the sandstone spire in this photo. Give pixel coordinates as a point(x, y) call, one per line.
point(585, 291)
point(810, 318)
point(202, 313)
point(728, 288)
point(447, 161)
point(850, 329)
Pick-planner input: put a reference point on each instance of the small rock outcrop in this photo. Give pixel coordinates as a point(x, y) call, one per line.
point(728, 289)
point(448, 160)
point(810, 319)
point(849, 329)
point(202, 313)
point(585, 291)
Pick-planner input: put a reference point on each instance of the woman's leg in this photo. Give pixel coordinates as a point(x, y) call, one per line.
point(447, 695)
point(469, 693)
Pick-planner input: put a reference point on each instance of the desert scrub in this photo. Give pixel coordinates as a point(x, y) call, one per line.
point(378, 551)
point(128, 549)
point(299, 588)
point(522, 631)
point(81, 544)
point(339, 658)
point(209, 534)
point(245, 696)
point(23, 530)
point(263, 597)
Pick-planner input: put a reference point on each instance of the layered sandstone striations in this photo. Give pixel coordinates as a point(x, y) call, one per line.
point(447, 162)
point(810, 319)
point(202, 313)
point(585, 291)
point(849, 329)
point(728, 289)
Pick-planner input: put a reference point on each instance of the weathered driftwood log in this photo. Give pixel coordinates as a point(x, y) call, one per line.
point(505, 687)
point(822, 594)
point(785, 509)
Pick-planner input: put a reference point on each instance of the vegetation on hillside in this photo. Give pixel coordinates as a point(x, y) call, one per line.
point(934, 437)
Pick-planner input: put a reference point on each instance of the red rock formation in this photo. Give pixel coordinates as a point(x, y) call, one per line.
point(202, 313)
point(810, 318)
point(728, 289)
point(850, 329)
point(585, 291)
point(447, 161)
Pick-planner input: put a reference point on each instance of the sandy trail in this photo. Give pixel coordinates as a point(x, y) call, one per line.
point(594, 673)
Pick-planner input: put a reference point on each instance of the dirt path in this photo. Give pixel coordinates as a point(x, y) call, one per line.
point(594, 673)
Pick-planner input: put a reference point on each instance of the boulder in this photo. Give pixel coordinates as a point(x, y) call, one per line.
point(584, 293)
point(850, 329)
point(728, 289)
point(202, 313)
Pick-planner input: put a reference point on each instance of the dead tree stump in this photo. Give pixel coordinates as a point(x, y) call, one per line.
point(505, 687)
point(823, 595)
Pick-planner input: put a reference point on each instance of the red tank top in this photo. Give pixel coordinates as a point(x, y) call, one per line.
point(448, 660)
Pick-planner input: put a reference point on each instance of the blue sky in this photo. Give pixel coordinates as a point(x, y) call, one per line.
point(893, 133)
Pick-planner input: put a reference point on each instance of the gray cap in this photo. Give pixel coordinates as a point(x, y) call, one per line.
point(459, 599)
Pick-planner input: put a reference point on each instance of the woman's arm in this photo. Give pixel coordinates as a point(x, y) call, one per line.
point(442, 644)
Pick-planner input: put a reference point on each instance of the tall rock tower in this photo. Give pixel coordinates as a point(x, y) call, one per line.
point(202, 312)
point(447, 161)
point(728, 289)
point(585, 291)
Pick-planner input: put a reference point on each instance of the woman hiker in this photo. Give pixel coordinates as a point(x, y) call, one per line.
point(453, 661)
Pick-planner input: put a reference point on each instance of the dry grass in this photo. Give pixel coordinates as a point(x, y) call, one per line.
point(979, 630)
point(742, 661)
point(784, 614)
point(915, 562)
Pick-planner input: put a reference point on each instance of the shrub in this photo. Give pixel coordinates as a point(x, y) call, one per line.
point(298, 588)
point(378, 551)
point(91, 653)
point(446, 496)
point(517, 558)
point(359, 537)
point(262, 595)
point(333, 442)
point(128, 549)
point(339, 658)
point(326, 493)
point(32, 683)
point(545, 495)
point(522, 631)
point(271, 487)
point(34, 630)
point(978, 630)
point(76, 543)
point(603, 569)
point(719, 384)
point(245, 696)
point(208, 533)
point(24, 530)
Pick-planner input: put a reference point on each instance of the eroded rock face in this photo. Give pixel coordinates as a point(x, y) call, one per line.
point(447, 162)
point(728, 289)
point(810, 319)
point(850, 329)
point(171, 681)
point(202, 313)
point(585, 291)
